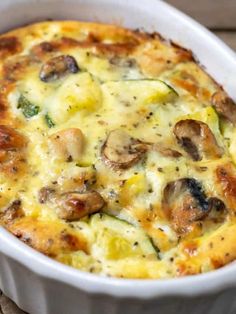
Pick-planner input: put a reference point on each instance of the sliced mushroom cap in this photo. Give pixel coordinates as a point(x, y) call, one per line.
point(224, 105)
point(57, 67)
point(197, 139)
point(184, 202)
point(121, 151)
point(67, 144)
point(73, 206)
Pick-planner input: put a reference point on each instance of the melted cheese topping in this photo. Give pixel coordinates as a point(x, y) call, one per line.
point(121, 163)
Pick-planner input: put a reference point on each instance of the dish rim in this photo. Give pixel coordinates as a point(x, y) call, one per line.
point(207, 283)
point(189, 286)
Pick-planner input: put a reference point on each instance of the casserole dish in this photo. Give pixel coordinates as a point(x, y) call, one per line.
point(70, 281)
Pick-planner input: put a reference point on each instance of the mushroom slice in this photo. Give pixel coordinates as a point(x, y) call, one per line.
point(197, 139)
point(184, 202)
point(44, 194)
point(218, 210)
point(224, 105)
point(10, 139)
point(12, 212)
point(57, 67)
point(121, 151)
point(67, 144)
point(12, 151)
point(75, 205)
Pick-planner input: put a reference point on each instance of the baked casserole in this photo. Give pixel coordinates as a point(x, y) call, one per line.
point(117, 151)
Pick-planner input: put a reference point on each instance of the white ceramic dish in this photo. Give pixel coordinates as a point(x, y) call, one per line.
point(40, 285)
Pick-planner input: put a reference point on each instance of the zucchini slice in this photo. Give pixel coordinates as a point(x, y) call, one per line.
point(141, 92)
point(117, 239)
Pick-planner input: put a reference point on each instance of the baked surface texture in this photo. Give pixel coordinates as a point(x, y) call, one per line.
point(117, 151)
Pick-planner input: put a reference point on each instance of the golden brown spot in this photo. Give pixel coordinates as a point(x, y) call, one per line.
point(42, 50)
point(226, 178)
point(48, 238)
point(217, 263)
point(9, 46)
point(191, 248)
point(65, 43)
point(97, 47)
point(188, 82)
point(15, 68)
point(114, 49)
point(186, 270)
point(191, 87)
point(156, 57)
point(5, 89)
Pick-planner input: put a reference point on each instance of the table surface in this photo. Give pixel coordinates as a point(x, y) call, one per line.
point(218, 16)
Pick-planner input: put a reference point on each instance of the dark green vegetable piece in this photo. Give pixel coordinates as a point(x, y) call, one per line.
point(28, 109)
point(49, 121)
point(156, 248)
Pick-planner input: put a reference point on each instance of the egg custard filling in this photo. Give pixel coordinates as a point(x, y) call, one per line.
point(117, 151)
